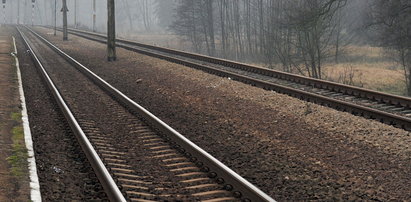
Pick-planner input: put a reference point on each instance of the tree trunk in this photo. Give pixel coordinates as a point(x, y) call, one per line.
point(222, 25)
point(210, 26)
point(111, 31)
point(64, 9)
point(130, 20)
point(94, 15)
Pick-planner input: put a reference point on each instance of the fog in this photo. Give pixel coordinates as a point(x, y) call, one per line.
point(135, 16)
point(132, 15)
point(152, 17)
point(308, 37)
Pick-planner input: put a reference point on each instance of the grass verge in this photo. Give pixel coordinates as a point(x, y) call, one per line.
point(18, 158)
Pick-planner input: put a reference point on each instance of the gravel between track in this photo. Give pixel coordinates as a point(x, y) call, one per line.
point(105, 117)
point(63, 171)
point(291, 149)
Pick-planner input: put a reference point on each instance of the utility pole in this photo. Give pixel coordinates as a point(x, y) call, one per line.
point(4, 11)
point(25, 11)
point(55, 17)
point(32, 12)
point(94, 15)
point(18, 12)
point(111, 31)
point(64, 10)
point(75, 14)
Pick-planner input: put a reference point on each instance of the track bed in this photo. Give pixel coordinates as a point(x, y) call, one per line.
point(144, 163)
point(293, 150)
point(63, 170)
point(387, 108)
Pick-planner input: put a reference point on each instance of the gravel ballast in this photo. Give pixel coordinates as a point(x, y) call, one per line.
point(63, 171)
point(120, 133)
point(291, 149)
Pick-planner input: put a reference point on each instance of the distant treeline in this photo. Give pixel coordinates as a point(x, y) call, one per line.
point(298, 35)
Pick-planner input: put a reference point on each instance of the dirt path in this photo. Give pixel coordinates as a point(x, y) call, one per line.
point(13, 180)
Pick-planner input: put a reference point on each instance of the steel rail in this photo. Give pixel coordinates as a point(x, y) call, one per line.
point(215, 169)
point(317, 83)
point(108, 183)
point(382, 116)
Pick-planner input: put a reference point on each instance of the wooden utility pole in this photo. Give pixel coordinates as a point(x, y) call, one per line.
point(111, 31)
point(25, 10)
point(75, 14)
point(94, 15)
point(4, 11)
point(18, 12)
point(64, 10)
point(32, 12)
point(55, 17)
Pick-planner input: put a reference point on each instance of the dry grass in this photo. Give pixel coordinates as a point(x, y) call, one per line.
point(364, 51)
point(375, 76)
point(363, 66)
point(164, 40)
point(368, 67)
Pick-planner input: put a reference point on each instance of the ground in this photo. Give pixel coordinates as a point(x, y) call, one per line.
point(291, 149)
point(63, 170)
point(13, 167)
point(360, 65)
point(368, 67)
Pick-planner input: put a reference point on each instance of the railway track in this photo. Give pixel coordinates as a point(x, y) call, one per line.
point(135, 156)
point(387, 108)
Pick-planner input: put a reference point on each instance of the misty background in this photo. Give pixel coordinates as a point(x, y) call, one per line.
point(364, 43)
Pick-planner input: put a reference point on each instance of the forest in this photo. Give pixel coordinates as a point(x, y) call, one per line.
point(339, 40)
point(297, 36)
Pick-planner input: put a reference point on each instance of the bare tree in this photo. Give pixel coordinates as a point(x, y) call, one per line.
point(392, 20)
point(195, 20)
point(314, 26)
point(145, 13)
point(299, 34)
point(165, 12)
point(126, 8)
point(186, 24)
